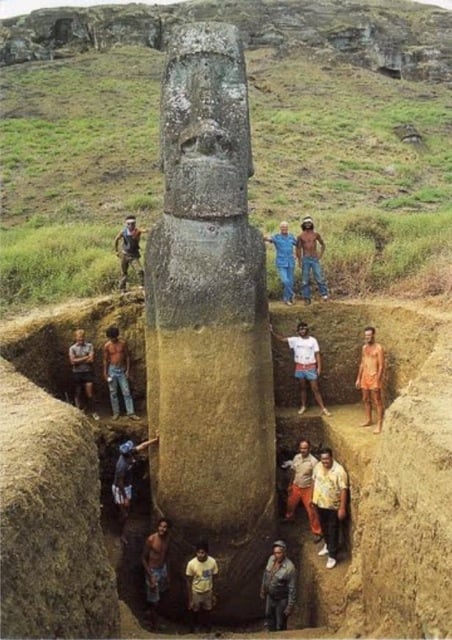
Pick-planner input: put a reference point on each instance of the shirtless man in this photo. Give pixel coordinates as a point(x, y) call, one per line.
point(116, 372)
point(154, 556)
point(309, 259)
point(370, 375)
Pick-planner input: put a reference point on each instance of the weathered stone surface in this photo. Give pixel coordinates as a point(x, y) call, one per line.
point(207, 320)
point(398, 38)
point(56, 578)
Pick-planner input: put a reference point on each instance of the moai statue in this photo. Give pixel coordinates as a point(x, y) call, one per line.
point(209, 368)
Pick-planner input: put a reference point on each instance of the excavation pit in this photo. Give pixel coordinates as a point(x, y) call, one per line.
point(389, 491)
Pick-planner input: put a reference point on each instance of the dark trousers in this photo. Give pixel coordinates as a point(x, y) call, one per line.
point(274, 614)
point(330, 524)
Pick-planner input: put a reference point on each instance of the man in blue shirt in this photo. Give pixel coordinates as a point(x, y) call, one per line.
point(284, 243)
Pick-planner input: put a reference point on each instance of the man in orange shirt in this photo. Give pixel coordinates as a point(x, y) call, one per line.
point(370, 377)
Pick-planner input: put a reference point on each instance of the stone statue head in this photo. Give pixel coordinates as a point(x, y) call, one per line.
point(205, 132)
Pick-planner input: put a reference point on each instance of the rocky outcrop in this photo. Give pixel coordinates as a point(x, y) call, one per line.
point(399, 39)
point(55, 576)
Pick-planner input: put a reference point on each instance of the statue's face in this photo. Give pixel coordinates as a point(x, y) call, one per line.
point(205, 127)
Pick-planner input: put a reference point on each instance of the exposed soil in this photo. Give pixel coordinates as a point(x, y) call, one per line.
point(331, 604)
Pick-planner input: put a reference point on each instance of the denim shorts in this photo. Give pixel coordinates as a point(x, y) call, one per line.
point(307, 374)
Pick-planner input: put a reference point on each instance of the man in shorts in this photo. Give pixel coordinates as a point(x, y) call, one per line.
point(200, 574)
point(81, 357)
point(122, 483)
point(308, 364)
point(154, 556)
point(370, 378)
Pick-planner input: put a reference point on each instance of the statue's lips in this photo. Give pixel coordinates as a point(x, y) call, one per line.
point(206, 186)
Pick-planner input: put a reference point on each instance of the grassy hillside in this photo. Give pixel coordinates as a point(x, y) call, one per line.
point(80, 150)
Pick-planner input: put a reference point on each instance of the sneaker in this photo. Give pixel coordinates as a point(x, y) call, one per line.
point(323, 551)
point(302, 410)
point(316, 538)
point(95, 416)
point(325, 412)
point(325, 298)
point(133, 416)
point(115, 416)
point(289, 303)
point(330, 563)
point(307, 300)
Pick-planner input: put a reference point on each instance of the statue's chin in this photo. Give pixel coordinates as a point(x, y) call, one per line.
point(206, 188)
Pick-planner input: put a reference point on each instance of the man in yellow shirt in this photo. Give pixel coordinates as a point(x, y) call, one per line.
point(330, 498)
point(200, 574)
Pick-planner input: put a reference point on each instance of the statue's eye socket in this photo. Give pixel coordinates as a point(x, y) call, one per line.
point(188, 145)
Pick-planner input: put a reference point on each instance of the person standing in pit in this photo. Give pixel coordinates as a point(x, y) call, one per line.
point(330, 498)
point(116, 361)
point(153, 558)
point(122, 483)
point(81, 357)
point(300, 489)
point(285, 243)
point(278, 588)
point(200, 575)
point(308, 364)
point(370, 378)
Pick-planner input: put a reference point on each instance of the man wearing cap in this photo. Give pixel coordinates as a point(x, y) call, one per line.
point(309, 259)
point(130, 251)
point(308, 364)
point(284, 243)
point(122, 483)
point(330, 498)
point(278, 587)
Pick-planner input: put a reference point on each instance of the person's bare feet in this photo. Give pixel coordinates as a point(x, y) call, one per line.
point(377, 430)
point(366, 424)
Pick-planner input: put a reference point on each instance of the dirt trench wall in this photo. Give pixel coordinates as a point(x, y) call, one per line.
point(56, 580)
point(406, 544)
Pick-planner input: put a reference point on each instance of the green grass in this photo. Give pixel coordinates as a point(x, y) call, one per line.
point(80, 150)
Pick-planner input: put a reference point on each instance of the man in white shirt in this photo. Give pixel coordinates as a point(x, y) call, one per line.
point(308, 364)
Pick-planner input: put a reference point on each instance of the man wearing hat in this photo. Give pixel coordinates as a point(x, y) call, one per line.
point(309, 259)
point(278, 588)
point(122, 483)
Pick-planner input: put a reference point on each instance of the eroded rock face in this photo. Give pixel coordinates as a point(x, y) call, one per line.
point(56, 578)
point(207, 319)
point(400, 39)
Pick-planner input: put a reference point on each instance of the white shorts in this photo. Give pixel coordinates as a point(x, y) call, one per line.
point(118, 496)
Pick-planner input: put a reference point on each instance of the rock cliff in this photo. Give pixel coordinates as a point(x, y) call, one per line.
point(399, 39)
